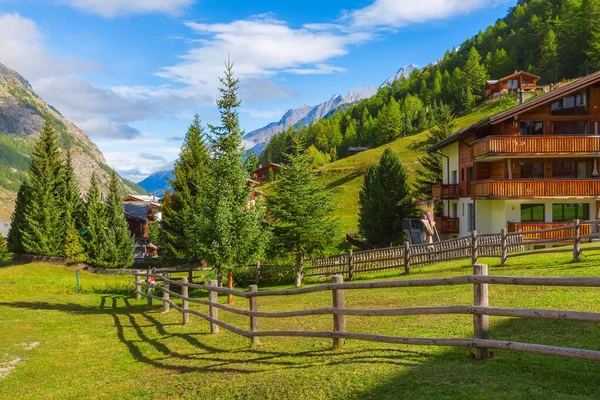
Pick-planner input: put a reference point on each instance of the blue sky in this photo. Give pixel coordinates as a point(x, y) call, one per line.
point(132, 73)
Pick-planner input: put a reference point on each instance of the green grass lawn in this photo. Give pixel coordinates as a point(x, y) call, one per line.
point(104, 343)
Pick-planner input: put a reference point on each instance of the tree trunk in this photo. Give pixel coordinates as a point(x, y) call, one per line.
point(299, 270)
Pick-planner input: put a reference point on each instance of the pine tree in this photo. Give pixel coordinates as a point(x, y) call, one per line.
point(95, 227)
point(121, 243)
point(251, 162)
point(430, 170)
point(592, 50)
point(300, 212)
point(189, 176)
point(15, 241)
point(224, 229)
point(71, 205)
point(270, 175)
point(389, 122)
point(42, 229)
point(549, 57)
point(73, 247)
point(475, 73)
point(385, 200)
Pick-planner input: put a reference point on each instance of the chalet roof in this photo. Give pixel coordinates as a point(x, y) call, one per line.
point(261, 167)
point(137, 210)
point(493, 82)
point(517, 73)
point(556, 94)
point(143, 197)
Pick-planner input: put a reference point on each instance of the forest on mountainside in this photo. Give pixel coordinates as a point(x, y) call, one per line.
point(555, 39)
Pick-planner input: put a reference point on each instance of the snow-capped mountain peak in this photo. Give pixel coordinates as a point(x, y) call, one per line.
point(403, 72)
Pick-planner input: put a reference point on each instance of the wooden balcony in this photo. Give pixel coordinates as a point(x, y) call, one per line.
point(447, 225)
point(547, 145)
point(445, 192)
point(527, 227)
point(538, 188)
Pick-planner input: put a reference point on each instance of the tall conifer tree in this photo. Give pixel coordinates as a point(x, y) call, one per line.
point(120, 240)
point(300, 212)
point(42, 229)
point(225, 229)
point(96, 227)
point(71, 207)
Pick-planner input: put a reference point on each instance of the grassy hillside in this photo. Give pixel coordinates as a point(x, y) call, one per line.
point(105, 344)
point(345, 177)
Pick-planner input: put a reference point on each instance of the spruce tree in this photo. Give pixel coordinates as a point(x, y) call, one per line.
point(42, 229)
point(73, 247)
point(95, 227)
point(549, 57)
point(385, 200)
point(389, 122)
point(189, 176)
point(475, 73)
point(71, 205)
point(270, 175)
point(300, 212)
point(224, 228)
point(121, 243)
point(430, 170)
point(15, 240)
point(251, 162)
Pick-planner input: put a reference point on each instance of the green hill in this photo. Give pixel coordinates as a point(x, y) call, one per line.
point(345, 177)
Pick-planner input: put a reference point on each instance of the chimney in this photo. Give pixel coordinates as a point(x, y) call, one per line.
point(521, 96)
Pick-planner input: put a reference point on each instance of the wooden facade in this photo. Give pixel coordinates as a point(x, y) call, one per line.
point(512, 84)
point(447, 224)
point(445, 192)
point(262, 172)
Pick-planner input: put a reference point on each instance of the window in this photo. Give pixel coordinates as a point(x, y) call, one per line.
point(454, 177)
point(575, 104)
point(570, 127)
point(532, 213)
point(570, 169)
point(454, 210)
point(472, 217)
point(532, 128)
point(569, 212)
point(532, 170)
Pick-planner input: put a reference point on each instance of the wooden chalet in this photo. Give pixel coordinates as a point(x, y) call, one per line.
point(512, 84)
point(534, 166)
point(260, 175)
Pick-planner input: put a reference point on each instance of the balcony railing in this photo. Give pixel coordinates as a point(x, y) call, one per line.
point(536, 145)
point(447, 225)
point(527, 188)
point(567, 233)
point(445, 192)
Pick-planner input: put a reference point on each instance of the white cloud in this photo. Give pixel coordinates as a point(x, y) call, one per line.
point(267, 114)
point(116, 8)
point(260, 47)
point(399, 13)
point(134, 166)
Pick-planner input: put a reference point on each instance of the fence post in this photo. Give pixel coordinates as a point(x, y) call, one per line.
point(191, 274)
point(254, 308)
point(407, 257)
point(138, 280)
point(576, 241)
point(149, 289)
point(166, 295)
point(213, 297)
point(299, 271)
point(504, 247)
point(339, 321)
point(474, 247)
point(258, 272)
point(185, 306)
point(350, 265)
point(481, 323)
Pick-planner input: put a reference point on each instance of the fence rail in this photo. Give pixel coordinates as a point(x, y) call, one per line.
point(480, 310)
point(503, 245)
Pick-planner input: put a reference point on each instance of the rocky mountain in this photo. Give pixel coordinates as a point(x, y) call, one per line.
point(21, 119)
point(403, 72)
point(304, 115)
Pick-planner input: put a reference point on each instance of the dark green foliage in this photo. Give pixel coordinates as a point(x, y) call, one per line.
point(251, 162)
point(42, 230)
point(71, 207)
point(430, 170)
point(120, 245)
point(189, 177)
point(270, 175)
point(15, 242)
point(385, 200)
point(223, 228)
point(300, 211)
point(95, 227)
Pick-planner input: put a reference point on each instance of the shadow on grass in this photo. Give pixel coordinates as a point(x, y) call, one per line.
point(344, 180)
point(451, 374)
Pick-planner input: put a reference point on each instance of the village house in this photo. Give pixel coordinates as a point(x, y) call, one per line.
point(262, 172)
point(515, 83)
point(140, 210)
point(534, 166)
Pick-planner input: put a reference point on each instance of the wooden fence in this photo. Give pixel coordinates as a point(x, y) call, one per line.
point(480, 310)
point(503, 245)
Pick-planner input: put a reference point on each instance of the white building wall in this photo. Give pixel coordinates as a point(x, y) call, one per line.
point(463, 215)
point(452, 161)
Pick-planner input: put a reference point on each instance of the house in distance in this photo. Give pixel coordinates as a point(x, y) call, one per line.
point(533, 166)
point(261, 174)
point(140, 210)
point(512, 84)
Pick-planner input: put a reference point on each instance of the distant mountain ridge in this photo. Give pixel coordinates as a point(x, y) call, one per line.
point(157, 183)
point(403, 72)
point(305, 115)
